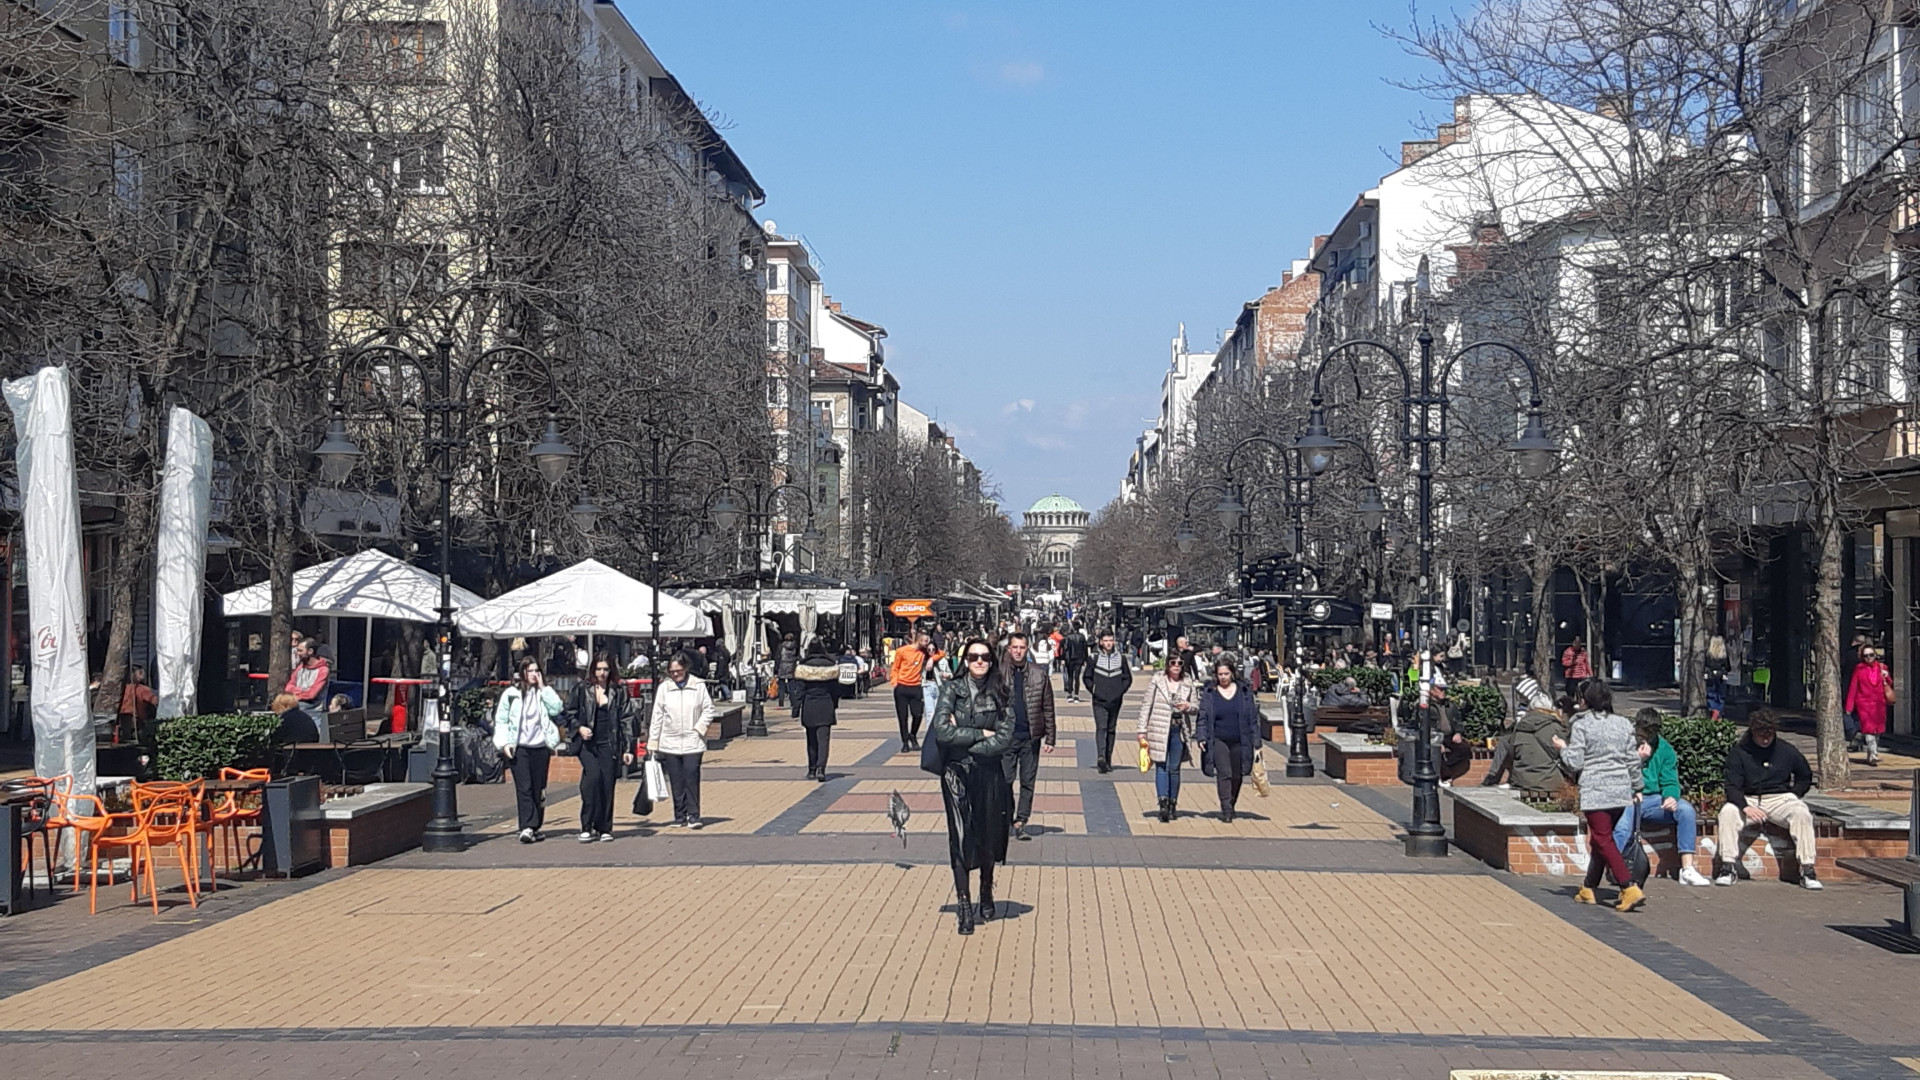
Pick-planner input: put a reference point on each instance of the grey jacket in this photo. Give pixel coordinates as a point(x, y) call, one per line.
point(1605, 752)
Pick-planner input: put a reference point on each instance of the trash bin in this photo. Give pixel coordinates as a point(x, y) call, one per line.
point(293, 834)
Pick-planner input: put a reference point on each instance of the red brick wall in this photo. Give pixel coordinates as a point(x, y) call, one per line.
point(379, 835)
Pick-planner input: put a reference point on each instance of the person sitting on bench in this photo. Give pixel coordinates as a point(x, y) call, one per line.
point(1767, 778)
point(1346, 694)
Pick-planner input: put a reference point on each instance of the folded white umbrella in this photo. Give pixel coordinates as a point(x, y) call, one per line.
point(588, 598)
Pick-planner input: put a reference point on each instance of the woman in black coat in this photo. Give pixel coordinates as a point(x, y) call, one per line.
point(816, 698)
point(598, 721)
point(1229, 733)
point(972, 726)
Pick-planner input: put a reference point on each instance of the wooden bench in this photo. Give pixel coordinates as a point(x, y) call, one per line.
point(1903, 873)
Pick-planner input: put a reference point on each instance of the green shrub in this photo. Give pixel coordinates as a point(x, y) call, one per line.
point(1481, 710)
point(1377, 682)
point(1701, 744)
point(475, 706)
point(190, 747)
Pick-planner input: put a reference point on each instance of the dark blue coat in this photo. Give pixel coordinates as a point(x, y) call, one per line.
point(1237, 721)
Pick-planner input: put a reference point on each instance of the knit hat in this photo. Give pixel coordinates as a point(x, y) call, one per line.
point(1529, 691)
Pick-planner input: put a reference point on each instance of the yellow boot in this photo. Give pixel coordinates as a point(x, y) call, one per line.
point(1630, 898)
point(1584, 896)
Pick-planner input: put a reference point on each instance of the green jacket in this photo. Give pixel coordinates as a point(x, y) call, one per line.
point(1661, 774)
point(965, 723)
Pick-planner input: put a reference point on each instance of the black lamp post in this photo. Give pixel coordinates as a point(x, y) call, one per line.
point(1296, 492)
point(757, 516)
point(1418, 433)
point(657, 491)
point(337, 455)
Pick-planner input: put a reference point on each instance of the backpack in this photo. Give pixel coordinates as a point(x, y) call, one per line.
point(849, 671)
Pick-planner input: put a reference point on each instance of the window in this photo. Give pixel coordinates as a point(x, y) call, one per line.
point(385, 274)
point(776, 334)
point(1871, 128)
point(123, 33)
point(407, 164)
point(129, 178)
point(1779, 352)
point(394, 51)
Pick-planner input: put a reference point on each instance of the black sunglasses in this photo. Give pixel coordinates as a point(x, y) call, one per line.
point(972, 656)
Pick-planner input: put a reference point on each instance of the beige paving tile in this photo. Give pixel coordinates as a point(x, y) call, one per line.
point(789, 753)
point(869, 943)
point(727, 806)
point(1289, 813)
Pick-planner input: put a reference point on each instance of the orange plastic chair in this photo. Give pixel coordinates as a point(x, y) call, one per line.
point(230, 815)
point(163, 815)
point(70, 810)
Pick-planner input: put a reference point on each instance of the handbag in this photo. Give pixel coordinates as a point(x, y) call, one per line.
point(932, 758)
point(1259, 773)
point(1638, 868)
point(656, 785)
point(1886, 680)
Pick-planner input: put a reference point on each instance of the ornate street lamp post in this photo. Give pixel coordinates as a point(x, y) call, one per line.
point(337, 455)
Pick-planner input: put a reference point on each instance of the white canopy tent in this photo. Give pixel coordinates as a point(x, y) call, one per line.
point(736, 608)
point(588, 598)
point(368, 585)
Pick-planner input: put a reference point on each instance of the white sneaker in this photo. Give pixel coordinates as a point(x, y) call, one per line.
point(1726, 878)
point(526, 836)
point(693, 823)
point(1690, 876)
point(587, 837)
point(606, 838)
point(1808, 881)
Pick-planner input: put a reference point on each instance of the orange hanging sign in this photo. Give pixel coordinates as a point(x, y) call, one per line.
point(911, 609)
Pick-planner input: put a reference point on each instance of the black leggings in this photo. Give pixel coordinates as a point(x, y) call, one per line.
point(818, 740)
point(909, 705)
point(1224, 756)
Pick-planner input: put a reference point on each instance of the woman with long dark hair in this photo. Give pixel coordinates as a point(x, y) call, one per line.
point(1229, 732)
point(523, 730)
point(972, 726)
point(598, 717)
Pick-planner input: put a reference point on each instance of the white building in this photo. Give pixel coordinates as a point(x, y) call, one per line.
point(1053, 529)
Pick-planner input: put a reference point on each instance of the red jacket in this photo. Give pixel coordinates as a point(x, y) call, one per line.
point(1576, 663)
point(1867, 697)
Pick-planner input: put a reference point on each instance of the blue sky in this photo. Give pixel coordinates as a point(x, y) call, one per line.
point(1032, 196)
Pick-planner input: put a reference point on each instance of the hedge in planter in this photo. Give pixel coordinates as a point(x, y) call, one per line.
point(1481, 709)
point(191, 747)
point(1377, 682)
point(1701, 744)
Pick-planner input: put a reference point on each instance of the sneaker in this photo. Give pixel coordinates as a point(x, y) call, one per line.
point(1690, 876)
point(676, 823)
point(1446, 783)
point(693, 823)
point(538, 836)
point(1808, 881)
point(526, 836)
point(1724, 877)
point(588, 837)
point(606, 838)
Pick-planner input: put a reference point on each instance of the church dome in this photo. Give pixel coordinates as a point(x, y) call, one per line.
point(1056, 504)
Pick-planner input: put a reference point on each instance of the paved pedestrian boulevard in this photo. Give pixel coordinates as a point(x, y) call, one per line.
point(1126, 947)
point(794, 935)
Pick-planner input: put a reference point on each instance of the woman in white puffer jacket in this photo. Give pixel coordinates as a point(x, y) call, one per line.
point(677, 735)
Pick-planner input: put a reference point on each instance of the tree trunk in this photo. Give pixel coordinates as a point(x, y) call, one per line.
point(1541, 580)
point(1694, 620)
point(280, 620)
point(1834, 770)
point(133, 547)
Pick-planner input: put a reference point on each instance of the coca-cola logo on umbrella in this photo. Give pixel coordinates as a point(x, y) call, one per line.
point(579, 620)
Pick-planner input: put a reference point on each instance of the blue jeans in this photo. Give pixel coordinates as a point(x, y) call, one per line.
point(1685, 831)
point(1166, 774)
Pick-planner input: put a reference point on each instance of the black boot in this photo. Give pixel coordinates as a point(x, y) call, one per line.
point(1166, 809)
point(987, 912)
point(1173, 808)
point(965, 908)
point(1226, 814)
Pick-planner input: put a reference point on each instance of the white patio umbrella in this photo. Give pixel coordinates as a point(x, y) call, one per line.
point(587, 598)
point(368, 584)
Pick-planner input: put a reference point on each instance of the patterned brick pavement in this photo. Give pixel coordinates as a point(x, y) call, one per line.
point(795, 937)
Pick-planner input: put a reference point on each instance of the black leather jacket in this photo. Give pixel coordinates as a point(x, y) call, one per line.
point(581, 712)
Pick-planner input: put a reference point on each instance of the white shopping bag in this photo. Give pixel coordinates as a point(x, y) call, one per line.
point(657, 789)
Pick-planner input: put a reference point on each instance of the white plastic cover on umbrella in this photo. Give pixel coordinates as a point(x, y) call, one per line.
point(50, 507)
point(180, 562)
point(588, 598)
point(368, 584)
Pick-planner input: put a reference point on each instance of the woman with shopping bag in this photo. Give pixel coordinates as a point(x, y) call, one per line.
point(602, 730)
point(971, 728)
point(1229, 730)
point(1167, 730)
point(677, 736)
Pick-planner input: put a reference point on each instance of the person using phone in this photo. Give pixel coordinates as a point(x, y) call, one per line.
point(524, 731)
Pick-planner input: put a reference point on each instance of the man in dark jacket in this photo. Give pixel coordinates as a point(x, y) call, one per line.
point(1109, 677)
point(1032, 702)
point(1073, 657)
point(1767, 780)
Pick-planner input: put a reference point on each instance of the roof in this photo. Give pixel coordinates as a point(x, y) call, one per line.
point(1056, 504)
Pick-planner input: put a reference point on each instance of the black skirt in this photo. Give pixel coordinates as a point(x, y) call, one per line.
point(979, 804)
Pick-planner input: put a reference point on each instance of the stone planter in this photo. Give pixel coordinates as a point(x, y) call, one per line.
point(1354, 760)
point(1495, 827)
point(382, 821)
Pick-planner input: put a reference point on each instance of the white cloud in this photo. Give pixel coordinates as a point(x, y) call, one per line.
point(1022, 72)
point(1020, 406)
